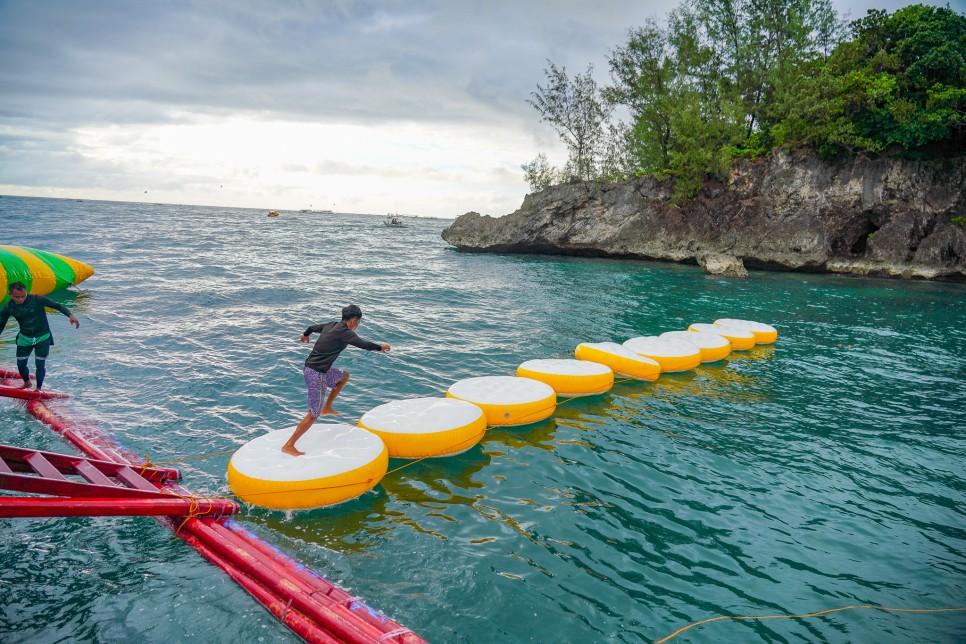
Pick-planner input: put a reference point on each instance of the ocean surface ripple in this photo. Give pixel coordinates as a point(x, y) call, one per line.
point(822, 471)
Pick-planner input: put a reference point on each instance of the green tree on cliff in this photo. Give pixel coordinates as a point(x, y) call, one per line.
point(728, 78)
point(713, 82)
point(577, 111)
point(899, 85)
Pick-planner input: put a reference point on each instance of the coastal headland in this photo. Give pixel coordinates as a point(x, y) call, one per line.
point(791, 211)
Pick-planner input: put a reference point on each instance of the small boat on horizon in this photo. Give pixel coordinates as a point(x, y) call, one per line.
point(393, 220)
point(274, 213)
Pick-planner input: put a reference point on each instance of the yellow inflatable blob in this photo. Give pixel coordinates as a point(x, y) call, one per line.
point(739, 339)
point(507, 400)
point(568, 377)
point(419, 427)
point(340, 463)
point(764, 333)
point(672, 355)
point(620, 359)
point(41, 272)
point(713, 346)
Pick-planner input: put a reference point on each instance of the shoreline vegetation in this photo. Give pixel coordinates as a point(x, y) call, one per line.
point(727, 80)
point(768, 134)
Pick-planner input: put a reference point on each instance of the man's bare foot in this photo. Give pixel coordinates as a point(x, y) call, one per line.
point(288, 449)
point(25, 385)
point(328, 411)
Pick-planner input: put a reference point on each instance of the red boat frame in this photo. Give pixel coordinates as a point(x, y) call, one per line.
point(311, 606)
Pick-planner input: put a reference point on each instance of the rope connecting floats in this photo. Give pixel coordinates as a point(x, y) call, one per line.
point(807, 615)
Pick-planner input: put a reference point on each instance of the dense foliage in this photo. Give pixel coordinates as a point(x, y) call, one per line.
point(730, 78)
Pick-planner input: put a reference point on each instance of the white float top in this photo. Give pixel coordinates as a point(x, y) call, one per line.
point(747, 325)
point(651, 345)
point(703, 339)
point(566, 367)
point(619, 350)
point(421, 415)
point(501, 390)
point(726, 331)
point(330, 449)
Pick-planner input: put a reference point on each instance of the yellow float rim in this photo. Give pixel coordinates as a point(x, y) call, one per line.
point(432, 444)
point(309, 493)
point(621, 365)
point(767, 336)
point(672, 364)
point(761, 337)
point(572, 385)
point(281, 487)
point(737, 342)
point(512, 415)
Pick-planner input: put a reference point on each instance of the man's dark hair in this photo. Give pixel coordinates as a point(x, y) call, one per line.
point(18, 286)
point(350, 312)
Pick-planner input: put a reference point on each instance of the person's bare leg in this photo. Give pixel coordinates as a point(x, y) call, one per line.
point(327, 409)
point(289, 447)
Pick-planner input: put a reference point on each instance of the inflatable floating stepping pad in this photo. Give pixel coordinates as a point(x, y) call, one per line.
point(420, 427)
point(569, 377)
point(713, 346)
point(672, 355)
point(764, 333)
point(620, 359)
point(507, 400)
point(41, 272)
point(340, 463)
point(739, 338)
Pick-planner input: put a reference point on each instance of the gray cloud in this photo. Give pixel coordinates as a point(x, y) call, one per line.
point(453, 61)
point(69, 64)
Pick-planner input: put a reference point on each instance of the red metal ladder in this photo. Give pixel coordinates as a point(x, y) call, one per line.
point(89, 487)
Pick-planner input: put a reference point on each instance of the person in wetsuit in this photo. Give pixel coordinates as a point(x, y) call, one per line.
point(320, 374)
point(34, 335)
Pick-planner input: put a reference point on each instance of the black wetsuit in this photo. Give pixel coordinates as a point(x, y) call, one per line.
point(34, 332)
point(333, 338)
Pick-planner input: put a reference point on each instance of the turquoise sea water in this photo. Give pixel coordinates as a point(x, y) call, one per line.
point(823, 471)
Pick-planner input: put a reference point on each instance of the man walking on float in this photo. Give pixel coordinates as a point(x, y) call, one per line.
point(34, 335)
point(320, 374)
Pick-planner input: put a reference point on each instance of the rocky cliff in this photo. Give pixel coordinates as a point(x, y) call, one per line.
point(791, 211)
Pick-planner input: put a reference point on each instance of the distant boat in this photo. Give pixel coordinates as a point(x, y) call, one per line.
point(274, 213)
point(326, 212)
point(394, 220)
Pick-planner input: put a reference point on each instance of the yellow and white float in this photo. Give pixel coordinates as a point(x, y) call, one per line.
point(739, 338)
point(620, 359)
point(672, 355)
point(340, 462)
point(568, 377)
point(713, 346)
point(764, 333)
point(419, 427)
point(507, 400)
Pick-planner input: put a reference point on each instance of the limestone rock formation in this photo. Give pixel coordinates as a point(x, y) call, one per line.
point(721, 264)
point(790, 211)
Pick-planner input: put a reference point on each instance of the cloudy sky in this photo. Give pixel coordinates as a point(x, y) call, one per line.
point(411, 106)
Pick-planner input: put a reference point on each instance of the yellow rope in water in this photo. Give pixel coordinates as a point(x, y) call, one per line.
point(815, 614)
